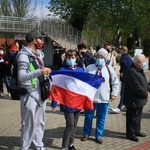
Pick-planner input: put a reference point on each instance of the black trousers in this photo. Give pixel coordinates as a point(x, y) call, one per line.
point(71, 124)
point(133, 121)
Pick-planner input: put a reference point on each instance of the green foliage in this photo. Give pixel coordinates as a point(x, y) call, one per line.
point(17, 8)
point(111, 16)
point(5, 7)
point(75, 12)
point(118, 59)
point(146, 45)
point(131, 53)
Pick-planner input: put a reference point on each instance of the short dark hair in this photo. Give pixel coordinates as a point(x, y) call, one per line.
point(107, 44)
point(70, 52)
point(98, 47)
point(81, 46)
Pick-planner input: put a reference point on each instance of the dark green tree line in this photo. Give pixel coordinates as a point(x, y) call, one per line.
point(107, 16)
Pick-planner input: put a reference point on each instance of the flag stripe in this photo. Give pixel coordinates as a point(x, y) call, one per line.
point(74, 89)
point(91, 79)
point(70, 99)
point(74, 85)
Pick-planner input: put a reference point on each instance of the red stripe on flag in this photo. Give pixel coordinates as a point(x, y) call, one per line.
point(70, 99)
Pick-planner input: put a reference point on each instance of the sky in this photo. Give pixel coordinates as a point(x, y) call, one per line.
point(41, 11)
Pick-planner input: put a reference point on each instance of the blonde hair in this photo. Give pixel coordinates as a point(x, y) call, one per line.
point(124, 48)
point(114, 53)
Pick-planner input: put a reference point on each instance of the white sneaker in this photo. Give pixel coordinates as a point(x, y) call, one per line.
point(40, 148)
point(9, 95)
point(124, 109)
point(116, 110)
point(1, 94)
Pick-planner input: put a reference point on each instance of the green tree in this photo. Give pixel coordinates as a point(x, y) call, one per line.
point(105, 18)
point(23, 7)
point(5, 8)
point(112, 14)
point(18, 8)
point(126, 16)
point(75, 12)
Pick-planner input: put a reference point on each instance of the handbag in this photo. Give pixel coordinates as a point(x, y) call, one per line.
point(44, 81)
point(45, 86)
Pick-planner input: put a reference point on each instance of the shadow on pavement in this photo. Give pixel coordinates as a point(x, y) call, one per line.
point(146, 115)
point(9, 143)
point(107, 133)
point(120, 135)
point(6, 97)
point(58, 112)
point(58, 133)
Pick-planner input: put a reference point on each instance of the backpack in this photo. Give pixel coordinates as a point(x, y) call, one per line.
point(15, 90)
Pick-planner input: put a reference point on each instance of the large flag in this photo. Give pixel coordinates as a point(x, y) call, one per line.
point(74, 89)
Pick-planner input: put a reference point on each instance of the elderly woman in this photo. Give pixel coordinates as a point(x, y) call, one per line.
point(106, 92)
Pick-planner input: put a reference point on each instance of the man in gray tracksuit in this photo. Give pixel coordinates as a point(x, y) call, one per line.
point(32, 106)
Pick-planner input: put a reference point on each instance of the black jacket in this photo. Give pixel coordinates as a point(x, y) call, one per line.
point(136, 86)
point(84, 60)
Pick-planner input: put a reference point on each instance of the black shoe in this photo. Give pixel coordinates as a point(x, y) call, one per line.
point(133, 138)
point(72, 147)
point(140, 134)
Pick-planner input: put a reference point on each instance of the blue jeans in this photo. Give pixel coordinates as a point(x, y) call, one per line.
point(101, 113)
point(1, 84)
point(121, 96)
point(6, 81)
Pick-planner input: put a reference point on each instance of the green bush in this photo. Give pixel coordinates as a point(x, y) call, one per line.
point(146, 44)
point(118, 59)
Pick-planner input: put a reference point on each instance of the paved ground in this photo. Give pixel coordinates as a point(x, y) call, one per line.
point(114, 134)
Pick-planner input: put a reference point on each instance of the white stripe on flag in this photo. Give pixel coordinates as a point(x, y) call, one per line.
point(74, 85)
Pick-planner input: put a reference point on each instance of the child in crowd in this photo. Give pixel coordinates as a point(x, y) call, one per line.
point(71, 115)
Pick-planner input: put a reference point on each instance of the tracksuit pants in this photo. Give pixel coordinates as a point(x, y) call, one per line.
point(32, 120)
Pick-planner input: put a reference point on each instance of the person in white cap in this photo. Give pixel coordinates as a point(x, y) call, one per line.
point(102, 97)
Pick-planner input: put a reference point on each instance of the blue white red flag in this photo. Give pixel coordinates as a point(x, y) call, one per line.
point(74, 89)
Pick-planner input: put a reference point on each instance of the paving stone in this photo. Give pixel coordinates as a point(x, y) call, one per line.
point(114, 135)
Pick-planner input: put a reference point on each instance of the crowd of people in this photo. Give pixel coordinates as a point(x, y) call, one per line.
point(6, 64)
point(100, 62)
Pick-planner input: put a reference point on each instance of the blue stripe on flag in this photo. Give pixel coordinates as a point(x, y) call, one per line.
point(88, 78)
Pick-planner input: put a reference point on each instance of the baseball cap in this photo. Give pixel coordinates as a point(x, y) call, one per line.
point(13, 48)
point(34, 34)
